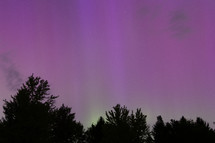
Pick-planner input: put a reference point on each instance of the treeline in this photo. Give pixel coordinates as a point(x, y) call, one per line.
point(31, 116)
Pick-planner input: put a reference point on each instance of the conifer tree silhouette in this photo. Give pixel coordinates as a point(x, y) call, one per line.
point(183, 130)
point(32, 117)
point(27, 114)
point(65, 129)
point(120, 126)
point(95, 133)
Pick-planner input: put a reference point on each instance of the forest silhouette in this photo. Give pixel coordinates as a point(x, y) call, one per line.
point(31, 116)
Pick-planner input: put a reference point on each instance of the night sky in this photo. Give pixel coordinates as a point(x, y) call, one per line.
point(158, 55)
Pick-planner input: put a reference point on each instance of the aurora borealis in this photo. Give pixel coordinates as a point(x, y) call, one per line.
point(154, 54)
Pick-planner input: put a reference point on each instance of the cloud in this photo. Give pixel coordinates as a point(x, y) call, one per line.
point(12, 75)
point(179, 25)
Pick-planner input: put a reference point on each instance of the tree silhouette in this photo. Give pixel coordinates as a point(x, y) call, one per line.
point(139, 127)
point(117, 128)
point(32, 117)
point(203, 132)
point(27, 116)
point(159, 131)
point(94, 134)
point(183, 130)
point(122, 127)
point(65, 128)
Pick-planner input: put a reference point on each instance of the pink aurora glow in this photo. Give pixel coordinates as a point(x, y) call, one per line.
point(157, 55)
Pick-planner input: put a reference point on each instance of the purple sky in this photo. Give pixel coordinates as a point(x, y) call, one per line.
point(153, 54)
